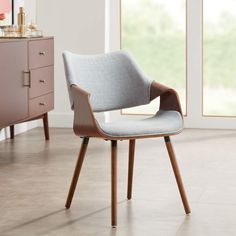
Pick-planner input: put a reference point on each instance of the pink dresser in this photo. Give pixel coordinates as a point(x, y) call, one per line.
point(26, 81)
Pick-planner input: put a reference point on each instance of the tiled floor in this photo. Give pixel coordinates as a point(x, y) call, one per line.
point(35, 177)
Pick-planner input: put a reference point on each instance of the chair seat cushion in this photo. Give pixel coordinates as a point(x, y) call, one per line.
point(162, 123)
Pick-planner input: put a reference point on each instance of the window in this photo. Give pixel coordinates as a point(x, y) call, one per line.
point(219, 60)
point(154, 31)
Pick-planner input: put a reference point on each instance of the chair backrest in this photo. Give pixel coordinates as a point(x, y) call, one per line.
point(113, 80)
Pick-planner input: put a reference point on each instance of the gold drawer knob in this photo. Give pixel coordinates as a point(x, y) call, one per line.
point(42, 81)
point(42, 104)
point(42, 53)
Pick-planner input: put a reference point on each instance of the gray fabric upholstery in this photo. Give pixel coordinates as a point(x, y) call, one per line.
point(113, 80)
point(164, 122)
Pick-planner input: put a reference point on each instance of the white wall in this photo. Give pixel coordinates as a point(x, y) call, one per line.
point(78, 26)
point(30, 7)
point(115, 25)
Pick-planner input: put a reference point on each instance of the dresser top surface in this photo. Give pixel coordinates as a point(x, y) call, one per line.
point(4, 40)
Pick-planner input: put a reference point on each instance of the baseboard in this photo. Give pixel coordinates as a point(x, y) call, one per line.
point(19, 128)
point(65, 119)
point(59, 120)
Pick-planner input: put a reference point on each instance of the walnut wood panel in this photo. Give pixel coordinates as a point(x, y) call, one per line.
point(41, 53)
point(13, 93)
point(41, 81)
point(41, 105)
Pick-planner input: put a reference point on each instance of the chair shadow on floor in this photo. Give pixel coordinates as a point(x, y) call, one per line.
point(57, 227)
point(32, 221)
point(70, 222)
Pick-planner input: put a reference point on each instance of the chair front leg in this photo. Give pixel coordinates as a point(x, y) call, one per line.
point(77, 171)
point(130, 168)
point(114, 183)
point(177, 174)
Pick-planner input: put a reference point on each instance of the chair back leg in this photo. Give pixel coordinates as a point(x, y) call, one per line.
point(77, 171)
point(130, 168)
point(114, 183)
point(177, 174)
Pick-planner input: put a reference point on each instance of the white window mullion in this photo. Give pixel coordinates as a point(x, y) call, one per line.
point(194, 63)
point(195, 118)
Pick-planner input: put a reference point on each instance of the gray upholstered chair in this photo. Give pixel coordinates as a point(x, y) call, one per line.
point(113, 81)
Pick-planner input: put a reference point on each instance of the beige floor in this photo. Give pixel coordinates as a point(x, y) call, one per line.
point(35, 177)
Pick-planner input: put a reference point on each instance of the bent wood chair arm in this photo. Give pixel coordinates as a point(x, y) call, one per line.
point(169, 98)
point(85, 123)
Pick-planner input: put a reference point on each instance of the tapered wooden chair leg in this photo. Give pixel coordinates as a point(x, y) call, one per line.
point(177, 174)
point(113, 183)
point(45, 126)
point(130, 168)
point(12, 132)
point(77, 171)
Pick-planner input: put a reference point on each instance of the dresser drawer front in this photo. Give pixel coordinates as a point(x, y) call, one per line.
point(41, 105)
point(41, 81)
point(41, 53)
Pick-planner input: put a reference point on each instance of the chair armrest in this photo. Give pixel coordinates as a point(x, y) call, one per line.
point(169, 98)
point(85, 123)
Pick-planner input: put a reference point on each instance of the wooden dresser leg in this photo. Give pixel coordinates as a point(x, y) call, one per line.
point(12, 132)
point(45, 126)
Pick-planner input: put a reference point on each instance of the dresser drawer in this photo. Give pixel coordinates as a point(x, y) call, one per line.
point(41, 81)
point(41, 53)
point(41, 105)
